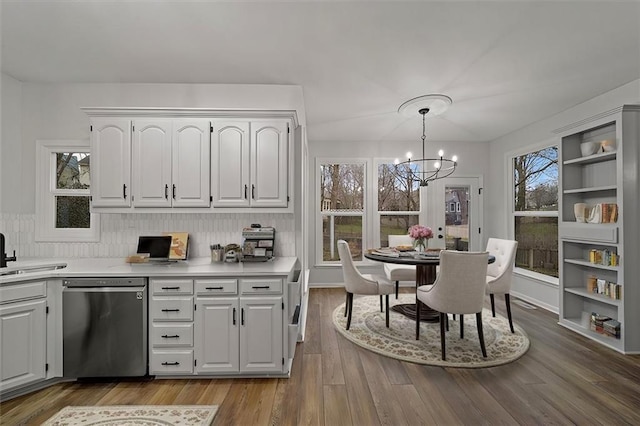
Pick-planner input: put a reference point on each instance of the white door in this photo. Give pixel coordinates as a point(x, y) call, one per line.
point(190, 163)
point(23, 343)
point(216, 340)
point(151, 157)
point(230, 164)
point(269, 163)
point(454, 211)
point(261, 334)
point(110, 162)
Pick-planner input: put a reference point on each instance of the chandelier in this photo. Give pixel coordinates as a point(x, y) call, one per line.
point(425, 170)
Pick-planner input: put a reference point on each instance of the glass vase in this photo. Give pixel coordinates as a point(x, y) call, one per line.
point(420, 245)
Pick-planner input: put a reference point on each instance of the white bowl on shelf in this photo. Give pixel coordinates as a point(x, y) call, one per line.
point(589, 148)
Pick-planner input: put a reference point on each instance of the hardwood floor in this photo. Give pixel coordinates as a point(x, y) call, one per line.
point(563, 379)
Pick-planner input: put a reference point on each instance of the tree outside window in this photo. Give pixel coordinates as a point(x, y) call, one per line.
point(535, 177)
point(342, 187)
point(398, 200)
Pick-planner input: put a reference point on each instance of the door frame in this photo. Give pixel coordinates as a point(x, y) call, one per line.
point(436, 218)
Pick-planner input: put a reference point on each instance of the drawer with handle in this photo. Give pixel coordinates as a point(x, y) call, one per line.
point(172, 308)
point(171, 362)
point(261, 286)
point(216, 287)
point(171, 335)
point(171, 287)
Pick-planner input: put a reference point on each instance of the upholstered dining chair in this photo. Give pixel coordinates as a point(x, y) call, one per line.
point(364, 284)
point(459, 288)
point(395, 272)
point(500, 272)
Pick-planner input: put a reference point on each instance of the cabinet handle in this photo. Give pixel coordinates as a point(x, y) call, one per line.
point(234, 316)
point(173, 192)
point(253, 192)
point(124, 191)
point(166, 191)
point(171, 288)
point(245, 192)
point(241, 316)
point(171, 310)
point(213, 288)
point(260, 286)
point(173, 336)
point(171, 363)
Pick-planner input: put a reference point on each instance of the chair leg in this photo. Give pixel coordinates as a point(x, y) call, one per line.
point(346, 304)
point(350, 308)
point(493, 305)
point(461, 326)
point(417, 319)
point(381, 307)
point(480, 333)
point(442, 336)
point(447, 321)
point(507, 300)
point(386, 297)
point(397, 286)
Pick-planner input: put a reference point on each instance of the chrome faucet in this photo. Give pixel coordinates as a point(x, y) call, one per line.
point(3, 256)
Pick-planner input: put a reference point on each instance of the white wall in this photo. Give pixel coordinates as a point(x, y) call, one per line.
point(473, 161)
point(10, 143)
point(498, 222)
point(33, 112)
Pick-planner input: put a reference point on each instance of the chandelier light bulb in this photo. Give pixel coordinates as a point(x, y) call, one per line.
point(396, 161)
point(409, 155)
point(440, 153)
point(436, 164)
point(454, 158)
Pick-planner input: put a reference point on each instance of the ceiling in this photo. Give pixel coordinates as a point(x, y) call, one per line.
point(505, 64)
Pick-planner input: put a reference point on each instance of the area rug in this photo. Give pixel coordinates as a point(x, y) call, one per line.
point(129, 415)
point(398, 341)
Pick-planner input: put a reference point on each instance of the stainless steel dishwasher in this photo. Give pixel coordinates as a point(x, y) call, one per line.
point(104, 327)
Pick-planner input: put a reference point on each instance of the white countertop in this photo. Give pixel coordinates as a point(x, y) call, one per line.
point(117, 267)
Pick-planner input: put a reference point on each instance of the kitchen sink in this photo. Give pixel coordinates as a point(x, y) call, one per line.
point(32, 269)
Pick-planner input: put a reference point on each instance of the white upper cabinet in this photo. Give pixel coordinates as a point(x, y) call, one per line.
point(171, 163)
point(152, 163)
point(111, 162)
point(190, 163)
point(250, 163)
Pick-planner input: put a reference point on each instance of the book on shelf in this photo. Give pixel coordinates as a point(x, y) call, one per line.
point(605, 288)
point(602, 213)
point(603, 257)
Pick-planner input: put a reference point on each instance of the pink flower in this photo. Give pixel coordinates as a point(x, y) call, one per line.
point(420, 232)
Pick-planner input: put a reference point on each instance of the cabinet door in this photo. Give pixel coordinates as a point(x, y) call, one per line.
point(111, 162)
point(23, 343)
point(261, 334)
point(216, 335)
point(230, 164)
point(269, 163)
point(151, 163)
point(190, 163)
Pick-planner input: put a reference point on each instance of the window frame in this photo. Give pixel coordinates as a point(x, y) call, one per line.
point(46, 193)
point(366, 193)
point(377, 213)
point(512, 213)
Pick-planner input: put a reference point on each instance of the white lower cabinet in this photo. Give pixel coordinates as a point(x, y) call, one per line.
point(171, 327)
point(23, 340)
point(240, 334)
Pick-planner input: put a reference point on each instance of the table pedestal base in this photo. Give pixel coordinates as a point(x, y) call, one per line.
point(409, 310)
point(425, 274)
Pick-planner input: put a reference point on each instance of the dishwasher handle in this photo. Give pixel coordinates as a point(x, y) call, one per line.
point(104, 289)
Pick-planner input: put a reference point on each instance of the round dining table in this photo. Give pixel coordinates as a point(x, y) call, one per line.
point(425, 264)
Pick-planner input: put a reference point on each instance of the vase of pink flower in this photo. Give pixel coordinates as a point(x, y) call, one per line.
point(421, 235)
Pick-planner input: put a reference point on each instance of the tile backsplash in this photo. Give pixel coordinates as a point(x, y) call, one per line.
point(119, 233)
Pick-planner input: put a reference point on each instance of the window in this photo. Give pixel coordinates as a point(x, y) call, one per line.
point(398, 201)
point(63, 202)
point(535, 210)
point(341, 207)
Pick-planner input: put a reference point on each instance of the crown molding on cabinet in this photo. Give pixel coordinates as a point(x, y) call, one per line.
point(191, 113)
